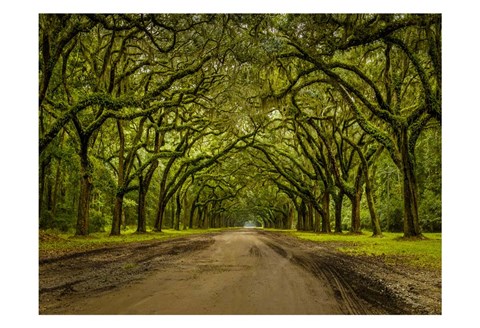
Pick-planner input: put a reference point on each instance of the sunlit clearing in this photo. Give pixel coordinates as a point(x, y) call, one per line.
point(249, 225)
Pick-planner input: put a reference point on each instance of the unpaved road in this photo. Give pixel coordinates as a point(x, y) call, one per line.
point(234, 272)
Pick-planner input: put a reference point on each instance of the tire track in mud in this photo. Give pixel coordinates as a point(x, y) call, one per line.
point(255, 251)
point(364, 283)
point(320, 268)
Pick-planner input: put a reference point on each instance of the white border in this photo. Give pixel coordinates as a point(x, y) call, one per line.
point(236, 6)
point(19, 138)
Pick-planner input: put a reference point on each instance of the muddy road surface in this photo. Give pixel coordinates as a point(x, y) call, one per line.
point(234, 272)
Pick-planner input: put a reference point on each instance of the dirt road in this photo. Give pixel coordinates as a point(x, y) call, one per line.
point(235, 272)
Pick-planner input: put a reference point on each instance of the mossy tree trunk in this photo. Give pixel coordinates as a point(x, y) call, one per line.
point(172, 214)
point(291, 214)
point(141, 215)
point(376, 229)
point(338, 200)
point(117, 212)
point(200, 217)
point(86, 187)
point(157, 227)
point(162, 201)
point(326, 212)
point(56, 189)
point(309, 217)
point(355, 219)
point(206, 217)
point(143, 187)
point(186, 214)
point(301, 216)
point(193, 209)
point(45, 167)
point(318, 220)
point(411, 226)
point(178, 211)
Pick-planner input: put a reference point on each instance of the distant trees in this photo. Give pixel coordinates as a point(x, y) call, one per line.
point(167, 112)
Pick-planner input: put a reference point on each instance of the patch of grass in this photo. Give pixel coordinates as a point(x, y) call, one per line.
point(129, 266)
point(54, 242)
point(392, 248)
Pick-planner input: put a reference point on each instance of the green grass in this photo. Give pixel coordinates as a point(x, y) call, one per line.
point(55, 242)
point(392, 248)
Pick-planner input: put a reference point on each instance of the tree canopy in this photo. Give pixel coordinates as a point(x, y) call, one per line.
point(322, 122)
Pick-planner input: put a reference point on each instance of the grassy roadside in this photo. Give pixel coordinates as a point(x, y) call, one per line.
point(392, 248)
point(52, 243)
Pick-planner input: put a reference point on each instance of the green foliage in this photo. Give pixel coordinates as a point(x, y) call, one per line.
point(429, 172)
point(98, 222)
point(55, 242)
point(238, 117)
point(63, 223)
point(392, 248)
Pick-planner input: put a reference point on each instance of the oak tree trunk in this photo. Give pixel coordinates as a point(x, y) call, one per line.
point(117, 215)
point(411, 226)
point(192, 214)
point(142, 195)
point(117, 212)
point(44, 195)
point(56, 189)
point(206, 217)
point(41, 189)
point(144, 185)
point(178, 212)
point(86, 187)
point(316, 221)
point(159, 217)
point(326, 213)
point(172, 215)
point(185, 212)
point(338, 211)
point(355, 222)
point(291, 214)
point(200, 218)
point(49, 194)
point(309, 218)
point(301, 216)
point(377, 231)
